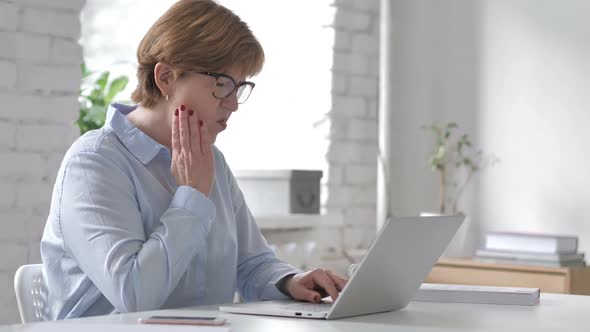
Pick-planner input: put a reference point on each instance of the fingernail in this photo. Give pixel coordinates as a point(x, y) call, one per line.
point(316, 299)
point(182, 108)
point(200, 123)
point(176, 112)
point(190, 112)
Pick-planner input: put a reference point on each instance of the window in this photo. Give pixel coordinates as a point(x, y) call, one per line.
point(283, 125)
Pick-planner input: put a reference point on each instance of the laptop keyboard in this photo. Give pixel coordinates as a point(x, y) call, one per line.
point(311, 307)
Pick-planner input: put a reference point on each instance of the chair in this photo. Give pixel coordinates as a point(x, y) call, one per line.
point(31, 293)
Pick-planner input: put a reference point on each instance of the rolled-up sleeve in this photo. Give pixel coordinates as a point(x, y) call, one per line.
point(103, 231)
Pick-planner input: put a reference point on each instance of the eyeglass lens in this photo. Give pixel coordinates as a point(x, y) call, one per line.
point(225, 86)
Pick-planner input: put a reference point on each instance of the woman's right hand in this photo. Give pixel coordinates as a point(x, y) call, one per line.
point(192, 151)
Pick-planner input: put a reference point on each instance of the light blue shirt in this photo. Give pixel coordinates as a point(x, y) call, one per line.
point(121, 236)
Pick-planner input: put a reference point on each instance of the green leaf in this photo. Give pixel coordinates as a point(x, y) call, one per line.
point(101, 83)
point(435, 164)
point(117, 85)
point(441, 152)
point(94, 97)
point(85, 71)
point(97, 99)
point(96, 115)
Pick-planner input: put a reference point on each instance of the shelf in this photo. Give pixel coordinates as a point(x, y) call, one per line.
point(569, 280)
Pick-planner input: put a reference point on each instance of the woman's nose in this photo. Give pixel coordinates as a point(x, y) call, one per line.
point(230, 102)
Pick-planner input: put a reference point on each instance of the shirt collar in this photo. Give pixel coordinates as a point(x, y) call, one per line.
point(136, 141)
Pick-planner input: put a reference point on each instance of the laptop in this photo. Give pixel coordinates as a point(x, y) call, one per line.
point(387, 277)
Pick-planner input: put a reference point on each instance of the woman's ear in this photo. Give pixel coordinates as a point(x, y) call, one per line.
point(164, 77)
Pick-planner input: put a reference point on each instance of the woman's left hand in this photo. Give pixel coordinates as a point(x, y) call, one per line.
point(313, 285)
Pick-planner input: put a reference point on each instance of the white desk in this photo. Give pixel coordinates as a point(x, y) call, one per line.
point(555, 312)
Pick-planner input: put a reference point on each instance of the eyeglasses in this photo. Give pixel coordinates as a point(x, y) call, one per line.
point(225, 86)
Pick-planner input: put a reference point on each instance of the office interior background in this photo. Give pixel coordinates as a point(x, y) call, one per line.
point(513, 75)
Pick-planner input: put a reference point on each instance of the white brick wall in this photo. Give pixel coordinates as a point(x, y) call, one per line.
point(352, 154)
point(39, 62)
point(8, 16)
point(8, 77)
point(40, 65)
point(53, 22)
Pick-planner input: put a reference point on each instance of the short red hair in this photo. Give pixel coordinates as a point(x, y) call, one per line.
point(195, 35)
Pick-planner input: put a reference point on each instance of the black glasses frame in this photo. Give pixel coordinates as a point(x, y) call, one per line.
point(236, 85)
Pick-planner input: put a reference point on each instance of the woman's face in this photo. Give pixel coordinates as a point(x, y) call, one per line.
point(195, 91)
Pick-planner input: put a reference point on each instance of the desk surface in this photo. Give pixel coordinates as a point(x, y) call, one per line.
point(555, 312)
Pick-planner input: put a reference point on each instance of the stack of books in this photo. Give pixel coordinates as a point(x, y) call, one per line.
point(531, 249)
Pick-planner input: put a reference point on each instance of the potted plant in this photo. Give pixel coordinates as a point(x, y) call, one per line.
point(456, 160)
point(96, 94)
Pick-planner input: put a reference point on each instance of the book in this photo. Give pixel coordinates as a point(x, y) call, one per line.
point(477, 294)
point(531, 242)
point(520, 255)
point(530, 262)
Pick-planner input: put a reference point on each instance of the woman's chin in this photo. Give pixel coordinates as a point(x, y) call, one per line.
point(213, 137)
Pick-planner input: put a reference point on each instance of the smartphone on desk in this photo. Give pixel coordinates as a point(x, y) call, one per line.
point(183, 320)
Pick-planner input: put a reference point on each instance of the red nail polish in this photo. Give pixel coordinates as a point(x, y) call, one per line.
point(176, 112)
point(200, 123)
point(182, 108)
point(190, 112)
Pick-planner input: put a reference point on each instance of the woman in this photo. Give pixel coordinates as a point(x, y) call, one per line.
point(145, 212)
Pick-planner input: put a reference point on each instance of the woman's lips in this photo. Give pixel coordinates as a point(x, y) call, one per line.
point(222, 124)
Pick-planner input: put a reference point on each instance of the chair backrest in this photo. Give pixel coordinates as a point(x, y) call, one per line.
point(31, 293)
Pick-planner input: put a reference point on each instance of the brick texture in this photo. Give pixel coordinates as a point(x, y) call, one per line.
point(352, 153)
point(40, 65)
